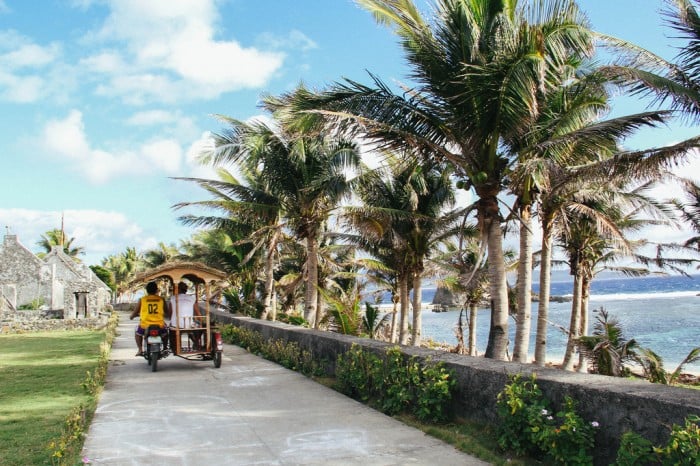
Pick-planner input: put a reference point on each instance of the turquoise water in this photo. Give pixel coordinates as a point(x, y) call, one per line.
point(660, 313)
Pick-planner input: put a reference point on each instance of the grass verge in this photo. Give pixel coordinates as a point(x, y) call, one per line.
point(48, 393)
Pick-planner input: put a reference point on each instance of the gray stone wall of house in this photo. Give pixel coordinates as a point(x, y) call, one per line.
point(57, 282)
point(23, 276)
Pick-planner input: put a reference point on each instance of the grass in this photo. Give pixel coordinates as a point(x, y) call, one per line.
point(43, 384)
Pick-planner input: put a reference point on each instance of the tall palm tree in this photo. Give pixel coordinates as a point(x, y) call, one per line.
point(252, 214)
point(569, 131)
point(306, 171)
point(479, 66)
point(405, 208)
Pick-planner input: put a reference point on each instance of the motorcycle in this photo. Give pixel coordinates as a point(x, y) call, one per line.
point(154, 347)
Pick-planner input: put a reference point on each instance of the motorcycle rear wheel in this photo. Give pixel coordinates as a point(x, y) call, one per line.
point(153, 360)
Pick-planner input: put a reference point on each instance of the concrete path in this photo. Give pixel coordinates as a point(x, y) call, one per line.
point(250, 411)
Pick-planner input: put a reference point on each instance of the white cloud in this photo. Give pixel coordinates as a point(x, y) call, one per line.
point(195, 169)
point(20, 89)
point(172, 53)
point(152, 117)
point(107, 61)
point(295, 40)
point(66, 139)
point(100, 233)
point(24, 67)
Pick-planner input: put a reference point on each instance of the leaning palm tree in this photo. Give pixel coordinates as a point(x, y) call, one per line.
point(479, 66)
point(306, 171)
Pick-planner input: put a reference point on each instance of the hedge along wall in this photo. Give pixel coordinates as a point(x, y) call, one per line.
point(617, 404)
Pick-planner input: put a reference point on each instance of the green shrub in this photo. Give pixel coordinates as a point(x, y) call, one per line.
point(682, 448)
point(434, 394)
point(287, 354)
point(356, 373)
point(522, 412)
point(528, 426)
point(396, 384)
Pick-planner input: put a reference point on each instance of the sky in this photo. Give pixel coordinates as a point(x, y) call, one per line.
point(103, 102)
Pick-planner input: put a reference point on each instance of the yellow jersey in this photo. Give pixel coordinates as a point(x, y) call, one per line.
point(152, 311)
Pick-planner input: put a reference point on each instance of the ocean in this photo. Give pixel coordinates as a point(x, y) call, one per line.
point(661, 313)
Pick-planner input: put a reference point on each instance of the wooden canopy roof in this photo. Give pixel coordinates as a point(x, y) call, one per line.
point(195, 272)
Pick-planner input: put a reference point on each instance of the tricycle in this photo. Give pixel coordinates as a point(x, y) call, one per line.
point(191, 337)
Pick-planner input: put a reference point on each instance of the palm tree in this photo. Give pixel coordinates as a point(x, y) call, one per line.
point(123, 268)
point(253, 213)
point(160, 255)
point(306, 171)
point(57, 237)
point(645, 73)
point(480, 66)
point(404, 214)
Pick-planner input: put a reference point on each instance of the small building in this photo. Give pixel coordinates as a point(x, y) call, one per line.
point(56, 283)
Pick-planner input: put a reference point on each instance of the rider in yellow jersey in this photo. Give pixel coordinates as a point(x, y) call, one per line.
point(151, 310)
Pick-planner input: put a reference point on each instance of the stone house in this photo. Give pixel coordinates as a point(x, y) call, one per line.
point(56, 282)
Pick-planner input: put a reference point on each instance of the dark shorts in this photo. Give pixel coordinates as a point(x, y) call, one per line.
point(141, 331)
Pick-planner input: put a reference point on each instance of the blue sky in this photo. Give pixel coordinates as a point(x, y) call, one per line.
point(104, 100)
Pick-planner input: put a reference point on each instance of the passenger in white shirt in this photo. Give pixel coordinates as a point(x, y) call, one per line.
point(186, 306)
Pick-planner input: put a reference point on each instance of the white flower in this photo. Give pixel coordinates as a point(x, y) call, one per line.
point(544, 412)
point(549, 418)
point(595, 424)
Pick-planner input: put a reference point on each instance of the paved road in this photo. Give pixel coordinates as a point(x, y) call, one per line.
point(250, 411)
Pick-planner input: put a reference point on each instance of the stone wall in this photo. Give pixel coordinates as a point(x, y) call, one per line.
point(619, 405)
point(12, 321)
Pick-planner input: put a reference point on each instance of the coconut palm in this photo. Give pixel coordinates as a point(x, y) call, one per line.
point(123, 268)
point(479, 66)
point(676, 82)
point(160, 255)
point(250, 210)
point(403, 216)
point(57, 237)
point(597, 237)
point(306, 171)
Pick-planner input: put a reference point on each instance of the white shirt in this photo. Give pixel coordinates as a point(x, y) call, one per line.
point(185, 310)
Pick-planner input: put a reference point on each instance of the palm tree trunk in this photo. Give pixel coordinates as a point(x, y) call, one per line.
point(394, 315)
point(472, 329)
point(545, 286)
point(524, 297)
point(403, 327)
point(311, 292)
point(417, 318)
point(498, 330)
point(269, 276)
point(585, 294)
point(575, 323)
